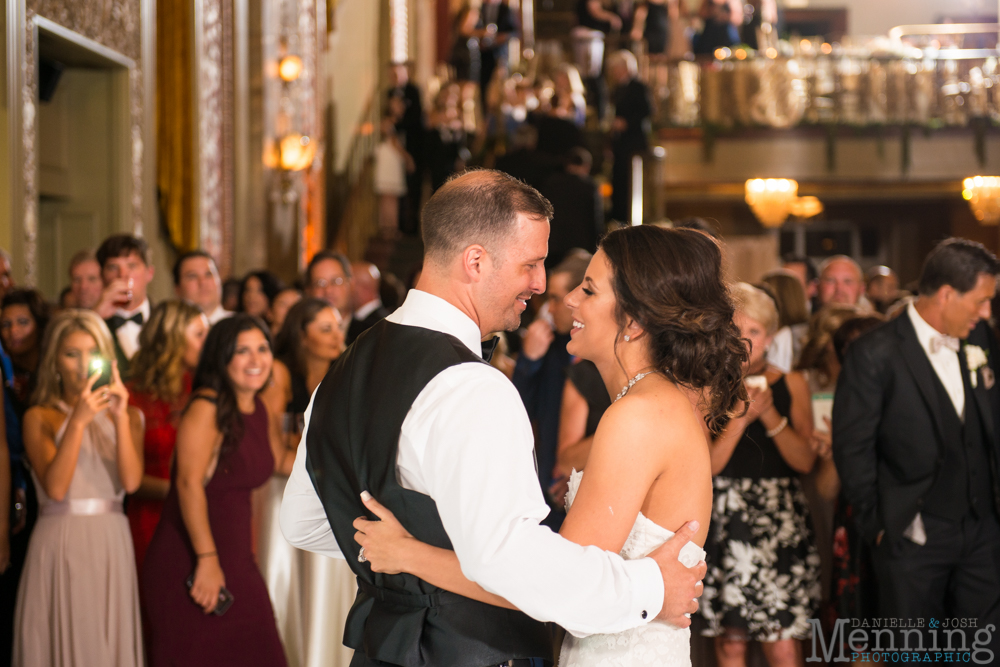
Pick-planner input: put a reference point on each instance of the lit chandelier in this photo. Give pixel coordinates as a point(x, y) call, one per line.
point(772, 200)
point(983, 195)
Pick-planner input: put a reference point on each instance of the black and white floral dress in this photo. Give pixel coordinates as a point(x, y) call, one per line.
point(763, 567)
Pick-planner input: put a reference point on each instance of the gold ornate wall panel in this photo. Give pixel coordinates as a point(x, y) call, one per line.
point(123, 28)
point(175, 122)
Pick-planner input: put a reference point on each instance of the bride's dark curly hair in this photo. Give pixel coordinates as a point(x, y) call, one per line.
point(670, 282)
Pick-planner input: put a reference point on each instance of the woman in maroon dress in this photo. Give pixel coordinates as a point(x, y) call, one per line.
point(226, 447)
point(170, 344)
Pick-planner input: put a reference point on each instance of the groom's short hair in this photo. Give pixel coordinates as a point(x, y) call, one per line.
point(478, 206)
point(957, 262)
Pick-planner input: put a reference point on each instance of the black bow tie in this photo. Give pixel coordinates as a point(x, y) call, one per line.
point(116, 321)
point(488, 347)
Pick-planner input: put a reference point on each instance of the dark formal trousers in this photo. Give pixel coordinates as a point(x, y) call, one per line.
point(955, 575)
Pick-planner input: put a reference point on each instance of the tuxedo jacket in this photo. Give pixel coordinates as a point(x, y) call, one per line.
point(889, 424)
point(358, 327)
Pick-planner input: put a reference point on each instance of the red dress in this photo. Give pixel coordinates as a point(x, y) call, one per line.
point(158, 444)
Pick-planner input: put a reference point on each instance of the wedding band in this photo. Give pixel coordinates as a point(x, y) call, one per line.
point(361, 556)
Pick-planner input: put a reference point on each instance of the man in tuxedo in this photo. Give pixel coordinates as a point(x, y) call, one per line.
point(126, 271)
point(366, 296)
point(915, 443)
point(579, 207)
point(413, 414)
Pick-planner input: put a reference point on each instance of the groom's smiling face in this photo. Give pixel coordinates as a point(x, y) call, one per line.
point(515, 273)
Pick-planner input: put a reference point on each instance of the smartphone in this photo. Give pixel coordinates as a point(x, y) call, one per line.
point(225, 597)
point(102, 365)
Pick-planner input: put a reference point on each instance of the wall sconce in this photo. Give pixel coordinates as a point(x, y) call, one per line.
point(772, 200)
point(294, 152)
point(290, 68)
point(983, 195)
point(290, 150)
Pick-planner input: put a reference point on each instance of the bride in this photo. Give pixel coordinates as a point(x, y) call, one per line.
point(655, 317)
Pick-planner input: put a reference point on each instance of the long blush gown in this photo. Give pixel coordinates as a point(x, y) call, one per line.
point(78, 602)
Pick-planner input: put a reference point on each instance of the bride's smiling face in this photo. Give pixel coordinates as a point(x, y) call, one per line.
point(592, 304)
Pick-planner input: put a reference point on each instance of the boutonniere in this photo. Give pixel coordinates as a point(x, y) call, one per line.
point(975, 357)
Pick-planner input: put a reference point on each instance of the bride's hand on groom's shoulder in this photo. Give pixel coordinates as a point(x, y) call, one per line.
point(681, 585)
point(385, 542)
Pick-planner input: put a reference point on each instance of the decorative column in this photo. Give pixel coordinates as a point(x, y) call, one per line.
point(214, 80)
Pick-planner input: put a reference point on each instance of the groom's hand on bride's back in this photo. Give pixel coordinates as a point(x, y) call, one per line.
point(681, 585)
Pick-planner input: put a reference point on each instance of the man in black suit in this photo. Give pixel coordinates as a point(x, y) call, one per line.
point(368, 309)
point(630, 129)
point(915, 444)
point(523, 161)
point(410, 128)
point(578, 206)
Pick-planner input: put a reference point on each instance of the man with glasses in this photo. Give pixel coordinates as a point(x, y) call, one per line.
point(329, 277)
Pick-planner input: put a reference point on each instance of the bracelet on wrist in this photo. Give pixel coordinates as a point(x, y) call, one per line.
point(207, 554)
point(782, 425)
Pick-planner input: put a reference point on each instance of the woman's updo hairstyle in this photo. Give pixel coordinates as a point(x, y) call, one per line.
point(670, 282)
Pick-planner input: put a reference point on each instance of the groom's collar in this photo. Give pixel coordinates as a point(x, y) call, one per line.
point(422, 309)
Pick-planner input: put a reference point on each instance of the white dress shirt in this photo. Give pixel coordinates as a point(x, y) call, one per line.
point(944, 360)
point(467, 443)
point(218, 314)
point(781, 352)
point(364, 311)
point(128, 333)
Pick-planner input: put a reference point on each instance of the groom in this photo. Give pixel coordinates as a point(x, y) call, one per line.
point(413, 414)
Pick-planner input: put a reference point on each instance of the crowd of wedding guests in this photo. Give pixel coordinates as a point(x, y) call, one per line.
point(146, 448)
point(148, 445)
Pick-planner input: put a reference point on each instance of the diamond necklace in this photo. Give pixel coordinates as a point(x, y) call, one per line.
point(629, 385)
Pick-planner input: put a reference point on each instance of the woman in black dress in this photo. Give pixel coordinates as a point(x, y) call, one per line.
point(652, 23)
point(585, 398)
point(763, 580)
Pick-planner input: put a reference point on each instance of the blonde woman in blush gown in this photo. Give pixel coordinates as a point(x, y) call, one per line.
point(310, 593)
point(78, 601)
point(655, 317)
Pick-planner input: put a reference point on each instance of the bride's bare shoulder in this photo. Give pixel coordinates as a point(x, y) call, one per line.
point(658, 414)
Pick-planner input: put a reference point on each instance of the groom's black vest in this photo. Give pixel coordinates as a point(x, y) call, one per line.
point(352, 440)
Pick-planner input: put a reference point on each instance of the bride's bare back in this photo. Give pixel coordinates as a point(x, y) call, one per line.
point(650, 455)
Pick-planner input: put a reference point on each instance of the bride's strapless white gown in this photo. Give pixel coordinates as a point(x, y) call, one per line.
point(655, 643)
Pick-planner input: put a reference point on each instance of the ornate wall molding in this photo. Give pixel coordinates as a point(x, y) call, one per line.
point(214, 67)
point(117, 25)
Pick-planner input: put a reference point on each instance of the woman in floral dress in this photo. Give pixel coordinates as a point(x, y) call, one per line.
point(763, 568)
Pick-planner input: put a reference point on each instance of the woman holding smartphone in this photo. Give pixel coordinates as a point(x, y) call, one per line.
point(204, 598)
point(78, 599)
